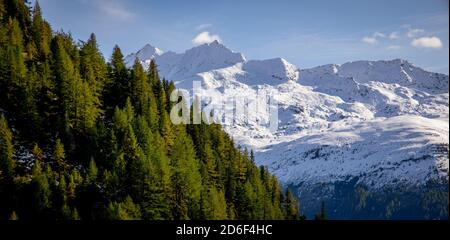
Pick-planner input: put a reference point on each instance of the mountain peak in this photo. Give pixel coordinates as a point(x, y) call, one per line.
point(216, 47)
point(204, 58)
point(150, 49)
point(147, 52)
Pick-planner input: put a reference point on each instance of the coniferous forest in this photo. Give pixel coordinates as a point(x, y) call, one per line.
point(86, 138)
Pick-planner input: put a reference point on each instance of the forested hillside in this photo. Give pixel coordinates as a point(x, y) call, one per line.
point(85, 138)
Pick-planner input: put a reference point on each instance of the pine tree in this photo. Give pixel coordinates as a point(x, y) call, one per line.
point(37, 153)
point(93, 68)
point(126, 210)
point(117, 88)
point(185, 178)
point(59, 157)
point(164, 124)
point(72, 187)
point(157, 176)
point(41, 33)
point(18, 97)
point(80, 107)
point(7, 162)
point(17, 9)
point(92, 173)
point(153, 77)
point(291, 206)
point(142, 96)
point(40, 190)
point(7, 168)
point(213, 204)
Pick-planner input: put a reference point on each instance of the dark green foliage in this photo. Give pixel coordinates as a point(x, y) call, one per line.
point(117, 87)
point(7, 162)
point(291, 207)
point(100, 141)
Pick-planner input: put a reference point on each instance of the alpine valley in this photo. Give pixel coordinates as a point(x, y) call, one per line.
point(365, 139)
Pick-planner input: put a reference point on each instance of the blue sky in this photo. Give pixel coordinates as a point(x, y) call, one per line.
point(306, 33)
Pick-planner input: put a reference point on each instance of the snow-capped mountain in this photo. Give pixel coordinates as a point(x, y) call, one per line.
point(179, 66)
point(396, 71)
point(146, 53)
point(360, 136)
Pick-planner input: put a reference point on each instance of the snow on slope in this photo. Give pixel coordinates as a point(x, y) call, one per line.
point(395, 71)
point(378, 120)
point(252, 73)
point(380, 152)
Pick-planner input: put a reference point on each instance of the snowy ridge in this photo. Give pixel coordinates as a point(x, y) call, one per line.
point(199, 59)
point(397, 71)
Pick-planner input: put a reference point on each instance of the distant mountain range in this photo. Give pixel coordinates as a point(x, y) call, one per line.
point(367, 138)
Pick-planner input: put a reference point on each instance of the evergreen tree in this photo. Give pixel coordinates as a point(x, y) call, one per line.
point(68, 107)
point(7, 162)
point(157, 185)
point(7, 168)
point(213, 204)
point(41, 33)
point(79, 106)
point(40, 190)
point(185, 178)
point(291, 206)
point(93, 68)
point(117, 86)
point(142, 96)
point(153, 76)
point(126, 210)
point(59, 157)
point(92, 173)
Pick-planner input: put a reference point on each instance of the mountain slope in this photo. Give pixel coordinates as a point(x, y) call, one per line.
point(375, 125)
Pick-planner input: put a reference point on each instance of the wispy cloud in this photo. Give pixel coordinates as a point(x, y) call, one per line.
point(369, 40)
point(372, 40)
point(427, 42)
point(393, 47)
point(379, 35)
point(112, 8)
point(394, 35)
point(414, 32)
point(203, 26)
point(205, 37)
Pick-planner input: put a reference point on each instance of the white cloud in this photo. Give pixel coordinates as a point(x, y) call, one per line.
point(414, 32)
point(427, 42)
point(369, 40)
point(205, 37)
point(393, 47)
point(379, 35)
point(394, 35)
point(203, 26)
